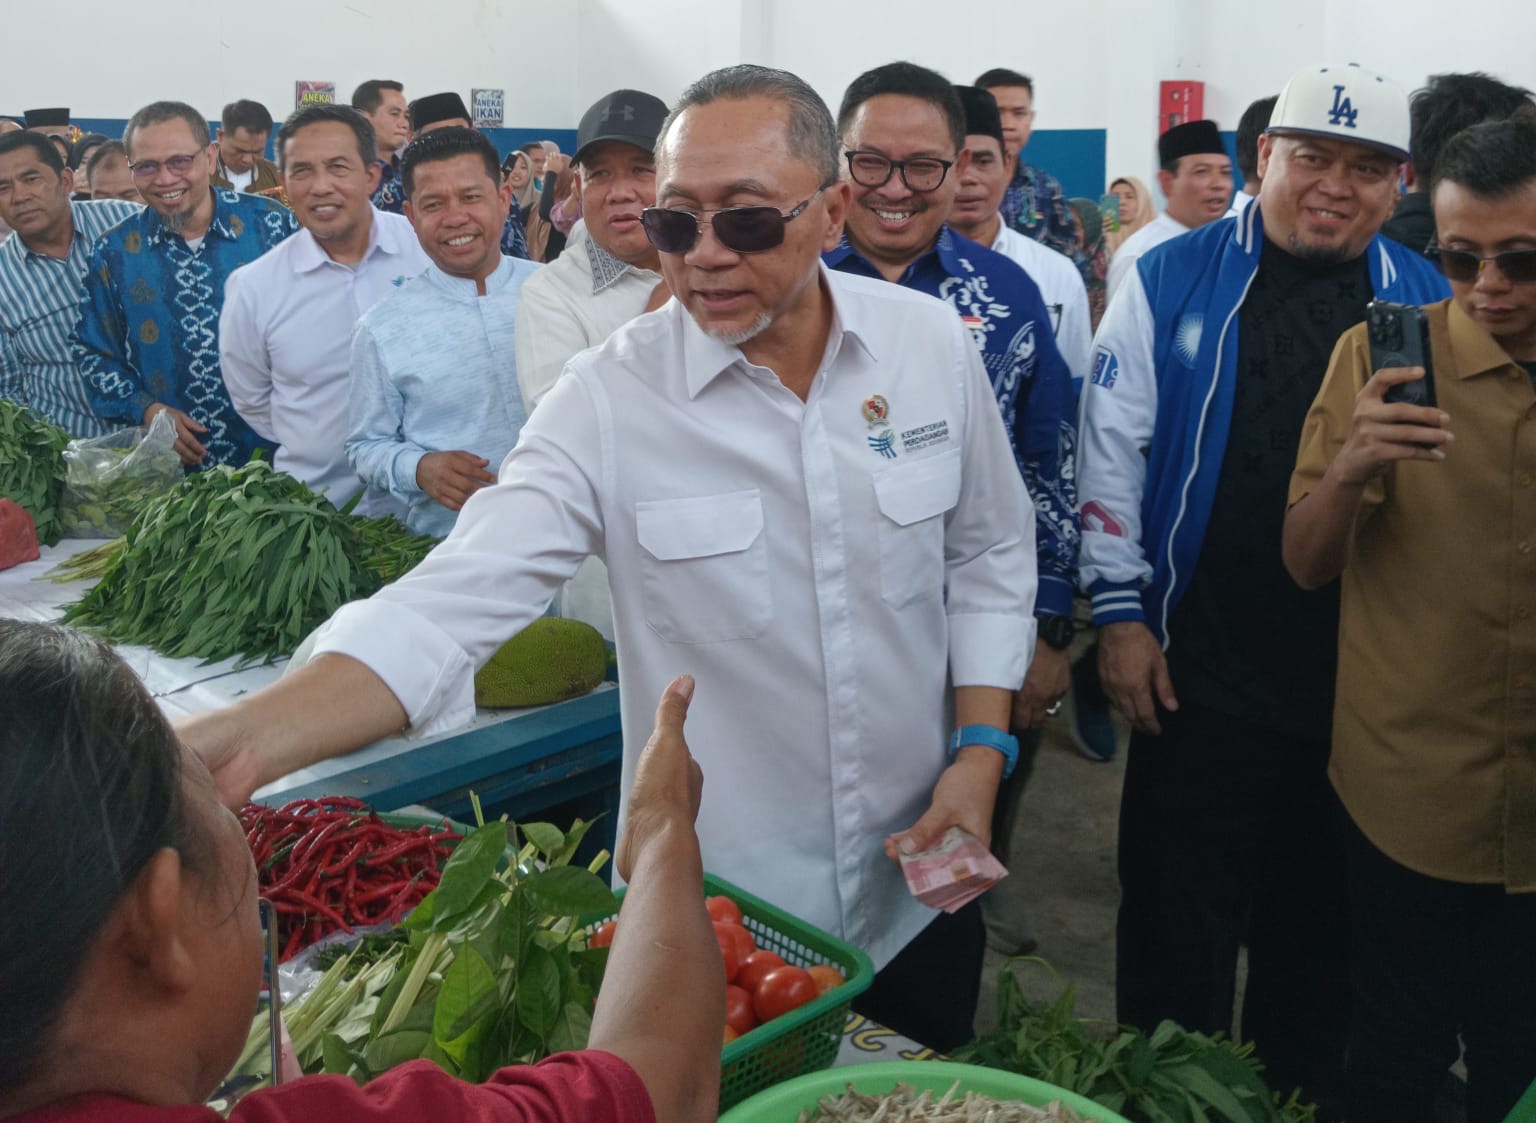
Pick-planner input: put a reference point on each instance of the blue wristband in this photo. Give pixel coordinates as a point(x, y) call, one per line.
point(993, 738)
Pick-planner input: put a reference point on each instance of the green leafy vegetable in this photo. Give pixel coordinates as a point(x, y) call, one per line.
point(32, 467)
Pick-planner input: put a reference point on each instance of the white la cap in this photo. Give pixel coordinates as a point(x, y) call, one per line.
point(1347, 102)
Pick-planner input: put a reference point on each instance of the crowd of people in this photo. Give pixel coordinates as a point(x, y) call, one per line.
point(857, 408)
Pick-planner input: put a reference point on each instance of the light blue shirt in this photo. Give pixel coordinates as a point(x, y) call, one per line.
point(433, 370)
point(39, 303)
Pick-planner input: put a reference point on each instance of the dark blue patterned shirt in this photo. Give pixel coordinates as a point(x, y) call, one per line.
point(1009, 322)
point(514, 242)
point(389, 195)
point(1036, 206)
point(149, 323)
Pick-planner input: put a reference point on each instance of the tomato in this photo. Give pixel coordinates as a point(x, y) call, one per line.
point(783, 989)
point(723, 909)
point(729, 950)
point(738, 1010)
point(758, 964)
point(728, 1035)
point(602, 935)
point(745, 944)
point(826, 978)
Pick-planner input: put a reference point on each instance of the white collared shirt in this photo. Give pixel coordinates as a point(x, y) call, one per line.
point(1065, 295)
point(285, 344)
point(574, 302)
point(1154, 233)
point(823, 577)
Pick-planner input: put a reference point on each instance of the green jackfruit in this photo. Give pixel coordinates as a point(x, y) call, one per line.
point(548, 661)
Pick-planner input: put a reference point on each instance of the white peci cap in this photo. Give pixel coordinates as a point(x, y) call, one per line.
point(1347, 102)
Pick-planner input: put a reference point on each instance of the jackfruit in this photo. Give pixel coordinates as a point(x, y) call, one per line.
point(548, 661)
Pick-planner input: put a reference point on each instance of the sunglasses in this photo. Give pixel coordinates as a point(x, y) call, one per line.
point(148, 169)
point(1518, 267)
point(739, 229)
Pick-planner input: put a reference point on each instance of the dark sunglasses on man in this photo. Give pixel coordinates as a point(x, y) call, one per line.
point(738, 229)
point(1518, 267)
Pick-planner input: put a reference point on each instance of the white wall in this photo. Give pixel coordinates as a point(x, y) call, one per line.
point(1097, 62)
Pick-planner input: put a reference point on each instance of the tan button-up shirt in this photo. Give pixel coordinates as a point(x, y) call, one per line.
point(1434, 749)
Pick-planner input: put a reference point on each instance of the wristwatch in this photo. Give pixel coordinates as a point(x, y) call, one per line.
point(1056, 631)
point(992, 738)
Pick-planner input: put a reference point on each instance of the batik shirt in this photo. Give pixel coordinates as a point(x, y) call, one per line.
point(389, 195)
point(149, 324)
point(1035, 205)
point(39, 304)
point(1011, 327)
point(514, 242)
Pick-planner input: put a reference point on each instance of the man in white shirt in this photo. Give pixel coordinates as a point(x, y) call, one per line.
point(729, 455)
point(975, 214)
point(1250, 127)
point(1196, 177)
point(614, 273)
point(285, 336)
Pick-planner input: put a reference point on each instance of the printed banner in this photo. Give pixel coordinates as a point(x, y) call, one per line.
point(313, 93)
point(488, 107)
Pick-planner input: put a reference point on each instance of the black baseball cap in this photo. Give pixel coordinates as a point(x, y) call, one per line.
point(626, 115)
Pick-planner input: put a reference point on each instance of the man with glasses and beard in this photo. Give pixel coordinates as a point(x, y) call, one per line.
point(725, 455)
point(147, 339)
point(1434, 732)
point(1204, 368)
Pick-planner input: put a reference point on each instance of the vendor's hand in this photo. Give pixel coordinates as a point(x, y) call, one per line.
point(1383, 432)
point(187, 446)
point(659, 296)
point(1134, 672)
point(220, 739)
point(1050, 673)
point(452, 477)
point(962, 798)
point(668, 782)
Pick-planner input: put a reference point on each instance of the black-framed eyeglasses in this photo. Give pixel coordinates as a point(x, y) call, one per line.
point(739, 229)
point(870, 169)
point(148, 169)
point(1518, 267)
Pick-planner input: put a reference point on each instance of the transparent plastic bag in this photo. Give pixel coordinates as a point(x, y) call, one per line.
point(108, 480)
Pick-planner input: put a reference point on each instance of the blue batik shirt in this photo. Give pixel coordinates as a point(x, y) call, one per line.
point(1011, 326)
point(389, 195)
point(39, 304)
point(149, 323)
point(514, 242)
point(1035, 205)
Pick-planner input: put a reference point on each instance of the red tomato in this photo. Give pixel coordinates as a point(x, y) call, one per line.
point(745, 944)
point(723, 909)
point(602, 935)
point(729, 951)
point(758, 964)
point(738, 1010)
point(826, 978)
point(783, 989)
point(728, 1035)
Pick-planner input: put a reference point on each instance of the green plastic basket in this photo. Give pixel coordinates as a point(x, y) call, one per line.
point(803, 1040)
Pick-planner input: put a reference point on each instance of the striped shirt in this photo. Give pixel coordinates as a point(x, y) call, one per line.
point(39, 303)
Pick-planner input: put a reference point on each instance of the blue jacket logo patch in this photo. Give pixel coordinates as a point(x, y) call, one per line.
point(1106, 369)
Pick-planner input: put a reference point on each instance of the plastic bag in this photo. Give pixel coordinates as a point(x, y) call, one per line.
point(108, 480)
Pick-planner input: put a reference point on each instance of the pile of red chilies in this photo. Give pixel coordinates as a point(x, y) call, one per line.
point(330, 865)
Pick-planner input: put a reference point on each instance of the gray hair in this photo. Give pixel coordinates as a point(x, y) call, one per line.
point(158, 113)
point(812, 136)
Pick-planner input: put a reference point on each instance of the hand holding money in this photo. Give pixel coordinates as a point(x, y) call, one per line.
point(952, 873)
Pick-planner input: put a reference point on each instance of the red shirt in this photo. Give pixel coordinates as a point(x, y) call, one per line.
point(585, 1087)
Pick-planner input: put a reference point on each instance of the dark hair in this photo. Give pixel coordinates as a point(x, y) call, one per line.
point(159, 112)
point(1002, 76)
point(533, 146)
point(445, 144)
point(1492, 160)
point(362, 128)
point(909, 80)
point(47, 152)
point(251, 116)
point(90, 779)
point(370, 95)
point(1449, 103)
point(811, 135)
point(1254, 121)
point(87, 144)
point(112, 150)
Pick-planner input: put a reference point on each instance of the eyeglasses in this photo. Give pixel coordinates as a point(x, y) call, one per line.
point(739, 229)
point(870, 169)
point(1517, 266)
point(148, 169)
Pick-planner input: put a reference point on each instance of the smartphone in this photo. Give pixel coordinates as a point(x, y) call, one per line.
point(1110, 206)
point(1399, 336)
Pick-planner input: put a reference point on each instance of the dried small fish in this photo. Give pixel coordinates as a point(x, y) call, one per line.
point(906, 1105)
